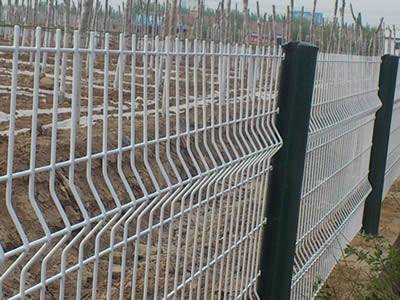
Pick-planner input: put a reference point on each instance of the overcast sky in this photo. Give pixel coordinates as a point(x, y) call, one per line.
point(371, 10)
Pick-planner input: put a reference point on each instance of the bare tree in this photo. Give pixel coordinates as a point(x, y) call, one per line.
point(67, 7)
point(87, 6)
point(228, 21)
point(376, 40)
point(216, 24)
point(322, 37)
point(300, 33)
point(202, 7)
point(288, 24)
point(270, 38)
point(26, 17)
point(147, 17)
point(95, 16)
point(178, 20)
point(313, 22)
point(105, 28)
point(274, 23)
point(34, 23)
point(165, 18)
point(126, 28)
point(199, 19)
point(221, 21)
point(284, 29)
point(390, 45)
point(1, 11)
point(172, 19)
point(291, 19)
point(10, 11)
point(47, 34)
point(259, 37)
point(235, 22)
point(333, 27)
point(197, 22)
point(359, 30)
point(265, 29)
point(127, 18)
point(84, 23)
point(245, 19)
point(350, 39)
point(342, 27)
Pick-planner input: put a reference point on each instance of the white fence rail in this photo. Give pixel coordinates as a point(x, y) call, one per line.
point(144, 178)
point(335, 182)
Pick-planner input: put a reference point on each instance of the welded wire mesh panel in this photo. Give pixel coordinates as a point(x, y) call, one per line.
point(335, 182)
point(134, 170)
point(393, 158)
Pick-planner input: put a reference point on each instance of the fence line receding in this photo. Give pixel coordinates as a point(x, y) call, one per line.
point(335, 182)
point(393, 156)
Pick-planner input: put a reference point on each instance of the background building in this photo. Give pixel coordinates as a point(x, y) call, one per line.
point(319, 17)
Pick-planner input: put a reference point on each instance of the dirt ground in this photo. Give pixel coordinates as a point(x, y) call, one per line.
point(340, 283)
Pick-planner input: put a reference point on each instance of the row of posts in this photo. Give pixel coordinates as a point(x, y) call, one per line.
point(295, 95)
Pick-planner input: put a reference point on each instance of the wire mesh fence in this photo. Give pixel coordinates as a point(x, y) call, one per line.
point(393, 158)
point(134, 172)
point(139, 168)
point(335, 182)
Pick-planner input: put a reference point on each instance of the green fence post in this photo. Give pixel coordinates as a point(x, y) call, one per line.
point(279, 235)
point(380, 143)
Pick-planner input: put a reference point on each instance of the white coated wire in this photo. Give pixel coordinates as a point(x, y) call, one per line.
point(335, 182)
point(393, 156)
point(140, 171)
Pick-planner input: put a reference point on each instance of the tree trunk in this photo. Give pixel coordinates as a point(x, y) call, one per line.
point(228, 24)
point(34, 20)
point(341, 31)
point(105, 28)
point(313, 22)
point(291, 19)
point(394, 39)
point(235, 24)
point(47, 34)
point(245, 20)
point(221, 22)
point(273, 24)
point(165, 19)
point(172, 20)
point(127, 18)
point(1, 11)
point(201, 18)
point(258, 25)
point(300, 34)
point(67, 7)
point(376, 40)
point(94, 18)
point(288, 24)
point(333, 27)
point(87, 6)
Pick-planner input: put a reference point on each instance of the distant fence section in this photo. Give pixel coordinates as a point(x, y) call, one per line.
point(335, 182)
point(393, 156)
point(142, 169)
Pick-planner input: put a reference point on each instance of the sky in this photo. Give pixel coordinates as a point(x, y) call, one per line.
point(371, 10)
